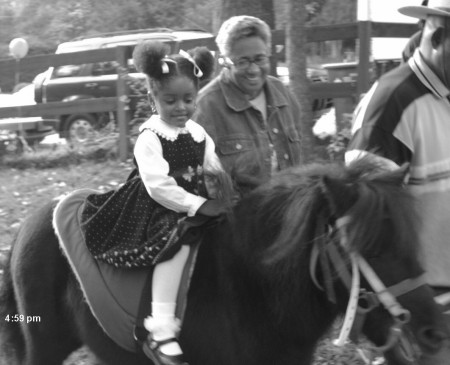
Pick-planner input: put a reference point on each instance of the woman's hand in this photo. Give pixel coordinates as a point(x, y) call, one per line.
point(212, 208)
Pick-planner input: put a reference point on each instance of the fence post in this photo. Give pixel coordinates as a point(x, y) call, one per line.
point(123, 98)
point(365, 49)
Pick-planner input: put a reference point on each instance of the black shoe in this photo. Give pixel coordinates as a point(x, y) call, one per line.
point(152, 350)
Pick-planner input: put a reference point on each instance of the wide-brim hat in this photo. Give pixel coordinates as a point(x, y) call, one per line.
point(435, 7)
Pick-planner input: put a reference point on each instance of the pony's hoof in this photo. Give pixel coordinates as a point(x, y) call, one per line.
point(153, 351)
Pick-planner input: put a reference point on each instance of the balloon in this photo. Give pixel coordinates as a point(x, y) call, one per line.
point(18, 47)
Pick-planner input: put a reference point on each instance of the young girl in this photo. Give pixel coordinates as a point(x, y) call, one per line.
point(171, 154)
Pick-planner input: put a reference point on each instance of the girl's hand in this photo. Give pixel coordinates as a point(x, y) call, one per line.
point(212, 208)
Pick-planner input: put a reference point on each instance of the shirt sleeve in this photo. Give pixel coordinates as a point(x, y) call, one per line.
point(154, 172)
point(211, 161)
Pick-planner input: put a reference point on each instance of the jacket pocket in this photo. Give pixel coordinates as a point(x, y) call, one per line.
point(235, 144)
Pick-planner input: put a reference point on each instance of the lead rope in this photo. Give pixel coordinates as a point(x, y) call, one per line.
point(400, 314)
point(383, 294)
point(352, 306)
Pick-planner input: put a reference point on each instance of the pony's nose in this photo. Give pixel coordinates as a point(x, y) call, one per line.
point(432, 338)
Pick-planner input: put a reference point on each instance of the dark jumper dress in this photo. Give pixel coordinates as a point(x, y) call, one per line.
point(126, 227)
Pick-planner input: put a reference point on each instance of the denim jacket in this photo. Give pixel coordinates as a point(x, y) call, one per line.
point(237, 127)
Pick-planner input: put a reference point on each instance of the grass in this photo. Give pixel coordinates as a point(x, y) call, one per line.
point(29, 180)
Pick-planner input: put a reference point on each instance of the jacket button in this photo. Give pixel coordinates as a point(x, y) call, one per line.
point(238, 146)
point(275, 130)
point(286, 156)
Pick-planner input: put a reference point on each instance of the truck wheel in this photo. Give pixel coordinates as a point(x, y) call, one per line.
point(80, 128)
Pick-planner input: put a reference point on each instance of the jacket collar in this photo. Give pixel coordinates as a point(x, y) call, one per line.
point(237, 100)
point(427, 76)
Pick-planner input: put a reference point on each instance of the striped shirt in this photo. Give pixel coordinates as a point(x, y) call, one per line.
point(405, 117)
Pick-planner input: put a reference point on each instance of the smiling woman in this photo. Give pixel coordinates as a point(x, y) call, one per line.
point(244, 109)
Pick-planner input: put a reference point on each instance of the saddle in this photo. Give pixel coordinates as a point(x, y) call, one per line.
point(119, 298)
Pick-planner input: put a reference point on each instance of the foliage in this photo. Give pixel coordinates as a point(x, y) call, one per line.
point(263, 9)
point(313, 10)
point(138, 95)
point(102, 149)
point(335, 12)
point(46, 24)
point(338, 143)
point(314, 7)
point(6, 26)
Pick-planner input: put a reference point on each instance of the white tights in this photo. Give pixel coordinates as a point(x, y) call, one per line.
point(166, 281)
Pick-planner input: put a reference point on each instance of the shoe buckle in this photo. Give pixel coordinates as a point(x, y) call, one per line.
point(153, 345)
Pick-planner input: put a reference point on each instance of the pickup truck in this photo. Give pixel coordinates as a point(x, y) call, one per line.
point(94, 80)
point(18, 133)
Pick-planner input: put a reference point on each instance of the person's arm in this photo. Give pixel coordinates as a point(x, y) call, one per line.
point(154, 172)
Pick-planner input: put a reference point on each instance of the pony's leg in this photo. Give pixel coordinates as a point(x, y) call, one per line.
point(11, 339)
point(40, 275)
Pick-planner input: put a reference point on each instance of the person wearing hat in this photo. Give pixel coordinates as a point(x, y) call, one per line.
point(414, 41)
point(405, 118)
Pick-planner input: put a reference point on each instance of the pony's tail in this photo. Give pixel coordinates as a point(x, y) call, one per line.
point(11, 338)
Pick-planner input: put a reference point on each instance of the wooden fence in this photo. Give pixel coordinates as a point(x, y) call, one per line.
point(363, 31)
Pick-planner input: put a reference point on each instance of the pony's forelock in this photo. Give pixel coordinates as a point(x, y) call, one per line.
point(306, 214)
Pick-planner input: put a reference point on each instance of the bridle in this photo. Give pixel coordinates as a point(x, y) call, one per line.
point(329, 255)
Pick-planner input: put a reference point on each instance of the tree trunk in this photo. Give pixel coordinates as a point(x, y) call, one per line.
point(298, 81)
point(262, 9)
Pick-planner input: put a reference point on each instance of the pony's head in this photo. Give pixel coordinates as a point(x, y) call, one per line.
point(346, 227)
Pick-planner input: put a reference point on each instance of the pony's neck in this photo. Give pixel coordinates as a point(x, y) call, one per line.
point(283, 295)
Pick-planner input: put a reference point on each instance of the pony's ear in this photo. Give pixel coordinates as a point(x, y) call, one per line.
point(340, 196)
point(398, 176)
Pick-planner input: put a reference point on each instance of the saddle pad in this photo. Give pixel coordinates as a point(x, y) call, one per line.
point(113, 294)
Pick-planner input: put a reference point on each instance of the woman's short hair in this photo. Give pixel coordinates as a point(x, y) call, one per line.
point(240, 27)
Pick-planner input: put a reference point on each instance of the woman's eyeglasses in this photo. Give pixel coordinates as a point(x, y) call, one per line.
point(245, 62)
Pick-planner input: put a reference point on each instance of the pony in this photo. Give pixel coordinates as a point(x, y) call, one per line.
point(266, 286)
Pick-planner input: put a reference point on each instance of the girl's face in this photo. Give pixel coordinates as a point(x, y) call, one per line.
point(175, 100)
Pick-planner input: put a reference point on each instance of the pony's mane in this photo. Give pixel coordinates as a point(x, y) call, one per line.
point(295, 198)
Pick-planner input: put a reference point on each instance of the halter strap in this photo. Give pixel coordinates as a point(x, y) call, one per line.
point(407, 285)
point(386, 296)
point(352, 306)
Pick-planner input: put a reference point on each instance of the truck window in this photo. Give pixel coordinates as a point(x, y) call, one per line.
point(104, 68)
point(66, 71)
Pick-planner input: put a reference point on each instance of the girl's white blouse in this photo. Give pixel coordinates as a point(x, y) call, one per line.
point(154, 169)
